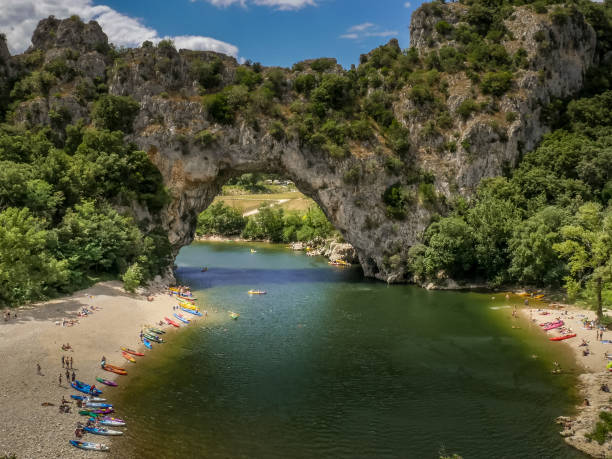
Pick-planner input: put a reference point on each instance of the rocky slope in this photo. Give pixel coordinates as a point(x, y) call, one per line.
point(197, 155)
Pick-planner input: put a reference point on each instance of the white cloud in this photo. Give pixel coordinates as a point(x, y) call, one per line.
point(407, 5)
point(361, 27)
point(278, 4)
point(365, 30)
point(18, 22)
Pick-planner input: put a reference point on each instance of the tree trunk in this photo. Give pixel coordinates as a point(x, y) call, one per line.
point(599, 302)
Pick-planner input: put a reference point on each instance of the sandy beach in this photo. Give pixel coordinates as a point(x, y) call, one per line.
point(31, 430)
point(595, 373)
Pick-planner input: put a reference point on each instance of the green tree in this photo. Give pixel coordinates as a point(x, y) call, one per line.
point(587, 247)
point(28, 270)
point(115, 113)
point(220, 219)
point(133, 277)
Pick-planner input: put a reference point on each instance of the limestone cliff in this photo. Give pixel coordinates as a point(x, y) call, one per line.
point(196, 154)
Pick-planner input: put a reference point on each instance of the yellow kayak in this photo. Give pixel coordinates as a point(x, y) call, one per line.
point(234, 315)
point(193, 307)
point(537, 297)
point(257, 292)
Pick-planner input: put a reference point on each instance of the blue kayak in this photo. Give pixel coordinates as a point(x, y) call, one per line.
point(102, 431)
point(180, 318)
point(87, 399)
point(190, 311)
point(89, 445)
point(85, 388)
point(147, 343)
point(97, 405)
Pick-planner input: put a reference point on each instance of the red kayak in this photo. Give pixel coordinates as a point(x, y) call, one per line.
point(561, 338)
point(172, 322)
point(130, 351)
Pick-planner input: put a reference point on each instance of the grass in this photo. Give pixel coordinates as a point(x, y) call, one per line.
point(247, 202)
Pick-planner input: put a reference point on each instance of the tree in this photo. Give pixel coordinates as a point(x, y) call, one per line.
point(221, 220)
point(587, 247)
point(115, 113)
point(132, 278)
point(28, 270)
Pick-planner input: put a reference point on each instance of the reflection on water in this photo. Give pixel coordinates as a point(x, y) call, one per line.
point(328, 364)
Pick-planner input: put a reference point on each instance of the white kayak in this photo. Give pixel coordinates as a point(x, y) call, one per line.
point(88, 445)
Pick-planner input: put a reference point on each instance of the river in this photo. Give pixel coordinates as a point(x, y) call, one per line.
point(331, 365)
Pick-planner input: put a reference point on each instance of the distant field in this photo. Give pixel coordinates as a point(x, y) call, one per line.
point(249, 202)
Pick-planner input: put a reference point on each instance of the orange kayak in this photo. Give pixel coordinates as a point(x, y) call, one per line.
point(128, 357)
point(114, 369)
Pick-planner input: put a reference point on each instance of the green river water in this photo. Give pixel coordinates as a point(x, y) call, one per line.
point(331, 365)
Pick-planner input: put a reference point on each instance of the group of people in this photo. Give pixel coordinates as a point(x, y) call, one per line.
point(7, 315)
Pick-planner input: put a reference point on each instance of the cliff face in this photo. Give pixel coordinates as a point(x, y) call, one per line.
point(171, 116)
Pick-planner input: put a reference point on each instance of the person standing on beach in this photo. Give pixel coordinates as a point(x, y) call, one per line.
point(71, 363)
point(38, 368)
point(60, 379)
point(63, 361)
point(73, 376)
point(67, 375)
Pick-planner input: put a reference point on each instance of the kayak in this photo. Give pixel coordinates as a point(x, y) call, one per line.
point(114, 369)
point(606, 341)
point(537, 297)
point(130, 351)
point(94, 412)
point(189, 306)
point(97, 405)
point(153, 338)
point(554, 325)
point(190, 311)
point(87, 399)
point(172, 322)
point(186, 297)
point(561, 338)
point(108, 421)
point(102, 431)
point(128, 357)
point(156, 330)
point(89, 445)
point(257, 292)
point(147, 343)
point(106, 381)
point(85, 388)
point(234, 315)
point(181, 318)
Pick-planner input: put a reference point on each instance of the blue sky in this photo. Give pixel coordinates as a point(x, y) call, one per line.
point(274, 36)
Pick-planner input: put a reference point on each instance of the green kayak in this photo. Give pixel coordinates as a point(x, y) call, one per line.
point(156, 330)
point(152, 337)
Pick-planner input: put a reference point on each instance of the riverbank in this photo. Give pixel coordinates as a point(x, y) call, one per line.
point(29, 429)
point(595, 374)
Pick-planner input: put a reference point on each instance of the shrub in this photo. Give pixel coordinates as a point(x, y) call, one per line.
point(352, 175)
point(361, 130)
point(277, 131)
point(397, 198)
point(115, 113)
point(511, 117)
point(248, 77)
point(323, 64)
point(205, 138)
point(304, 83)
point(420, 95)
point(466, 108)
point(222, 106)
point(132, 278)
point(208, 74)
point(443, 28)
point(496, 83)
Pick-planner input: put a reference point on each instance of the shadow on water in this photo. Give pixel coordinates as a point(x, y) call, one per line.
point(220, 277)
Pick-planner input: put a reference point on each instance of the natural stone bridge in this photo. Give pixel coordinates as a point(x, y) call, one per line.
point(194, 169)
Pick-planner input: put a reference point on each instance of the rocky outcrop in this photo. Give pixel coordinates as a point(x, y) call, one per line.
point(172, 118)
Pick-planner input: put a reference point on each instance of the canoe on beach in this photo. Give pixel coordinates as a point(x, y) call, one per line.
point(190, 311)
point(156, 331)
point(554, 325)
point(102, 431)
point(147, 343)
point(85, 388)
point(172, 322)
point(561, 338)
point(89, 445)
point(96, 411)
point(128, 357)
point(88, 399)
point(114, 369)
point(154, 338)
point(132, 352)
point(109, 421)
point(107, 382)
point(181, 318)
point(97, 405)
